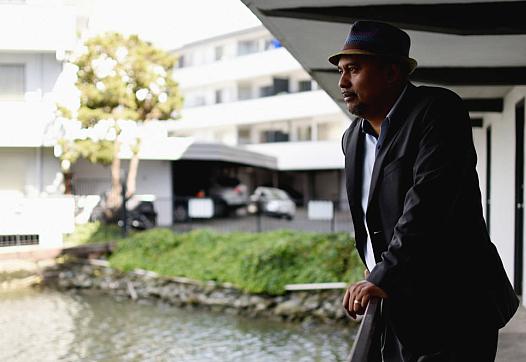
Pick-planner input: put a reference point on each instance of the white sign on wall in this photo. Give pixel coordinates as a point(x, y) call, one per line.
point(320, 210)
point(200, 208)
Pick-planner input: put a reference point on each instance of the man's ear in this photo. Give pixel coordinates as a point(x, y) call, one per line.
point(393, 73)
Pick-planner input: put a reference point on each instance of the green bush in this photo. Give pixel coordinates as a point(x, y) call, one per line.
point(93, 232)
point(258, 263)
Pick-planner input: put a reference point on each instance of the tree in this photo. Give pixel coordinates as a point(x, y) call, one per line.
point(120, 78)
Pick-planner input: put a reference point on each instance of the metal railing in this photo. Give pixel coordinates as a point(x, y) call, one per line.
point(245, 220)
point(364, 337)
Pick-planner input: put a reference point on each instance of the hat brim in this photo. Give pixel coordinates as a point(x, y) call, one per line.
point(335, 58)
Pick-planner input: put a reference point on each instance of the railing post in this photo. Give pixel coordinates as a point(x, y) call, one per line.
point(124, 211)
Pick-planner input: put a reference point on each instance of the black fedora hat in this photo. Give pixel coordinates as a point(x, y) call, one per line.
point(375, 38)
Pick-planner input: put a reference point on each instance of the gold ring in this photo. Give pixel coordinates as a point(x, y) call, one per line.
point(357, 302)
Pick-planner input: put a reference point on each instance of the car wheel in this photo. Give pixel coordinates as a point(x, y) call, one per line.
point(220, 209)
point(180, 213)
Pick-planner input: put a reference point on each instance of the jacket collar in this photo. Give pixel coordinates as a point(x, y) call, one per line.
point(396, 118)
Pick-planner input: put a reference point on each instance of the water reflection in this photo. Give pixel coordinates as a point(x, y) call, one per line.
point(52, 326)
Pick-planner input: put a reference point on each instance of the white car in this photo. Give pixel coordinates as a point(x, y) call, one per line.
point(228, 195)
point(273, 202)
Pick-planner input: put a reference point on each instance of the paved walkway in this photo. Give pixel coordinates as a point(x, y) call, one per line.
point(512, 339)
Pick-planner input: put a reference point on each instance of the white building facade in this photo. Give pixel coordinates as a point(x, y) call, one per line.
point(245, 90)
point(34, 212)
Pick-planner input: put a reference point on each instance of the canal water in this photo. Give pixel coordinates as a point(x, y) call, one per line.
point(46, 325)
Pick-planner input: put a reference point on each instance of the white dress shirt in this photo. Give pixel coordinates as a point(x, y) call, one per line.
point(371, 146)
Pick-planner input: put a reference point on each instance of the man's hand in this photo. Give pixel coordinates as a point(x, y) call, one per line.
point(358, 295)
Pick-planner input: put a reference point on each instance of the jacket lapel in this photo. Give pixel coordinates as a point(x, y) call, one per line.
point(353, 167)
point(396, 121)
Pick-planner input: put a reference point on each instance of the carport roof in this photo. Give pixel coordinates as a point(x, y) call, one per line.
point(185, 148)
point(475, 48)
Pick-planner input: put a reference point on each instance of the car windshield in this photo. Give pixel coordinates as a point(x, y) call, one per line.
point(276, 194)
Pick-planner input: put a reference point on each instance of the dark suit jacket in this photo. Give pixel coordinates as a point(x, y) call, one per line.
point(434, 256)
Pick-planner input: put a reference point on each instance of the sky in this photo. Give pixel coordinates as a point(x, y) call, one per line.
point(170, 23)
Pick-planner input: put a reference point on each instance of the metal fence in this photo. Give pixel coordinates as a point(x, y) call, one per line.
point(241, 219)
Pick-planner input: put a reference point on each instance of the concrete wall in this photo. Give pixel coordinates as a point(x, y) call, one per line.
point(29, 171)
point(502, 214)
point(154, 177)
point(479, 139)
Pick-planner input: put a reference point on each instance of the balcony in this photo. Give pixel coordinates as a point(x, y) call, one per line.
point(314, 155)
point(24, 123)
point(37, 28)
point(250, 66)
point(268, 109)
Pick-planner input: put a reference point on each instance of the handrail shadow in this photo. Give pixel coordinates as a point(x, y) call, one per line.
point(362, 343)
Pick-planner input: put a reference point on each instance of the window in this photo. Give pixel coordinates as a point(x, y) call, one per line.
point(12, 81)
point(304, 133)
point(280, 85)
point(274, 136)
point(304, 85)
point(180, 62)
point(218, 53)
point(196, 101)
point(219, 96)
point(328, 131)
point(266, 91)
point(244, 92)
point(245, 47)
point(243, 136)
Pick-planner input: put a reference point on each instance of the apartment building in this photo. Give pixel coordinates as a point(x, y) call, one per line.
point(246, 91)
point(36, 36)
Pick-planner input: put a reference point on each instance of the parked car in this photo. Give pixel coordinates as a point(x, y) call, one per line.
point(273, 202)
point(227, 193)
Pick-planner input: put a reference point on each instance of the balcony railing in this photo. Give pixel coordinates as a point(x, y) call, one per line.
point(279, 107)
point(362, 344)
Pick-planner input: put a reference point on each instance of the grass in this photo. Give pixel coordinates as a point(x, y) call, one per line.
point(257, 263)
point(92, 233)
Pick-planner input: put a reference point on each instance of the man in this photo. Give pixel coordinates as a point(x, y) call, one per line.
point(415, 202)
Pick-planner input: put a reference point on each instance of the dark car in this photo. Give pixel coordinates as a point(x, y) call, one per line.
point(140, 212)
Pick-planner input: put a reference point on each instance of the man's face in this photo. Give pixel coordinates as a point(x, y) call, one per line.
point(363, 84)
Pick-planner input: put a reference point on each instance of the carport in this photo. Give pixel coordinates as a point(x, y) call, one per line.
point(477, 49)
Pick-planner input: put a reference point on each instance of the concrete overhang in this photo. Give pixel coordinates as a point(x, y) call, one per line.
point(474, 48)
point(173, 149)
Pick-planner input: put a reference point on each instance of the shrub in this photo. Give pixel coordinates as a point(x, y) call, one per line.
point(93, 232)
point(257, 263)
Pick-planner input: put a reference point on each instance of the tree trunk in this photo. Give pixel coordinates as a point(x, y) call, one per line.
point(114, 198)
point(131, 182)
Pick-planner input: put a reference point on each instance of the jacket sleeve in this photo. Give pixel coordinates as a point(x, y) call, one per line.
point(444, 158)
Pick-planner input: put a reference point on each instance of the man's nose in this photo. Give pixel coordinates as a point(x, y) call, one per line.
point(344, 81)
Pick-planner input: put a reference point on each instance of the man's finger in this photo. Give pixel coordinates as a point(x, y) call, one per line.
point(365, 300)
point(346, 299)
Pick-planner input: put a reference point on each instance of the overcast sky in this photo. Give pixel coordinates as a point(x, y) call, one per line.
point(170, 23)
